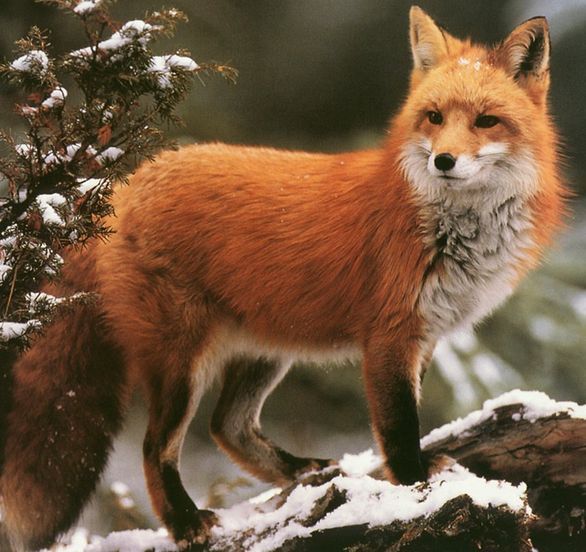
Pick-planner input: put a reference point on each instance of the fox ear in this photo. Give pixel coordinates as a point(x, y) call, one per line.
point(428, 41)
point(524, 54)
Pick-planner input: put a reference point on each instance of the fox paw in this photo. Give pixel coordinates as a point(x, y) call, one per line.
point(195, 538)
point(318, 464)
point(320, 470)
point(436, 463)
point(293, 468)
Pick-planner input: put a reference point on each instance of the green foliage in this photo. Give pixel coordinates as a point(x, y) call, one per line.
point(56, 180)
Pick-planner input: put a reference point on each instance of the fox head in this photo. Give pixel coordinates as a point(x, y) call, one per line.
point(476, 117)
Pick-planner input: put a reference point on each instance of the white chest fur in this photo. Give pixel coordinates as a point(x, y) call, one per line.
point(478, 252)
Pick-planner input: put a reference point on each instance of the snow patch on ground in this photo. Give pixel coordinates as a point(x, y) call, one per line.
point(137, 540)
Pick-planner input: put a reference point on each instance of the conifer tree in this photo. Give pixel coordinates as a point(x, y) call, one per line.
point(56, 179)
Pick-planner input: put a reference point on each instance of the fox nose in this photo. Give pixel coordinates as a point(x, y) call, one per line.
point(444, 161)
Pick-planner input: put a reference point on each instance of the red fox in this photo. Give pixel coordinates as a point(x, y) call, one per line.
point(231, 262)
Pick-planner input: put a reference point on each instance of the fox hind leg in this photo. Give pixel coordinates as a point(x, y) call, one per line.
point(236, 426)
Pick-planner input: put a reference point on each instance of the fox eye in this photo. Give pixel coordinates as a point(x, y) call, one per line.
point(435, 117)
point(486, 121)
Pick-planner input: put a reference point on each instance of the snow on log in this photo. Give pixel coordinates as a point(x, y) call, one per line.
point(526, 436)
point(520, 483)
point(455, 510)
point(530, 448)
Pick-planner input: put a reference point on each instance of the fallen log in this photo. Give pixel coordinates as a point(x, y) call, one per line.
point(526, 488)
point(527, 437)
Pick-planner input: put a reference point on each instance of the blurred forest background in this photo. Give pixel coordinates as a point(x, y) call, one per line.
point(326, 75)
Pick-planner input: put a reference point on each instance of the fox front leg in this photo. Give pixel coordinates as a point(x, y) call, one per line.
point(391, 374)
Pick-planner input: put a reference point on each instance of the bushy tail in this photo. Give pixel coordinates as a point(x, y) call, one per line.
point(67, 402)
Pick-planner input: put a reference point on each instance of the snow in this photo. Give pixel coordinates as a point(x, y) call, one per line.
point(369, 501)
point(24, 150)
point(9, 238)
point(183, 62)
point(379, 503)
point(35, 298)
point(29, 110)
point(40, 300)
point(50, 216)
point(31, 61)
point(47, 204)
point(535, 405)
point(266, 496)
point(56, 98)
point(364, 463)
point(137, 540)
point(12, 330)
point(70, 151)
point(136, 30)
point(109, 155)
point(86, 7)
point(271, 523)
point(51, 258)
point(83, 52)
point(51, 159)
point(130, 31)
point(91, 184)
point(136, 27)
point(164, 65)
point(4, 271)
point(107, 116)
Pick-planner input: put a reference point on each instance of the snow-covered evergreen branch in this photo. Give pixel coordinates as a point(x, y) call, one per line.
point(56, 178)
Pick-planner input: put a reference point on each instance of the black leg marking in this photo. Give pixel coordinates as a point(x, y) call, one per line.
point(173, 403)
point(391, 375)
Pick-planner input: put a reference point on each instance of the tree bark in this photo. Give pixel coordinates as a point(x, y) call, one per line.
point(548, 454)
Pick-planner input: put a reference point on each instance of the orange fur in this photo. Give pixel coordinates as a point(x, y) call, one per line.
point(226, 250)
